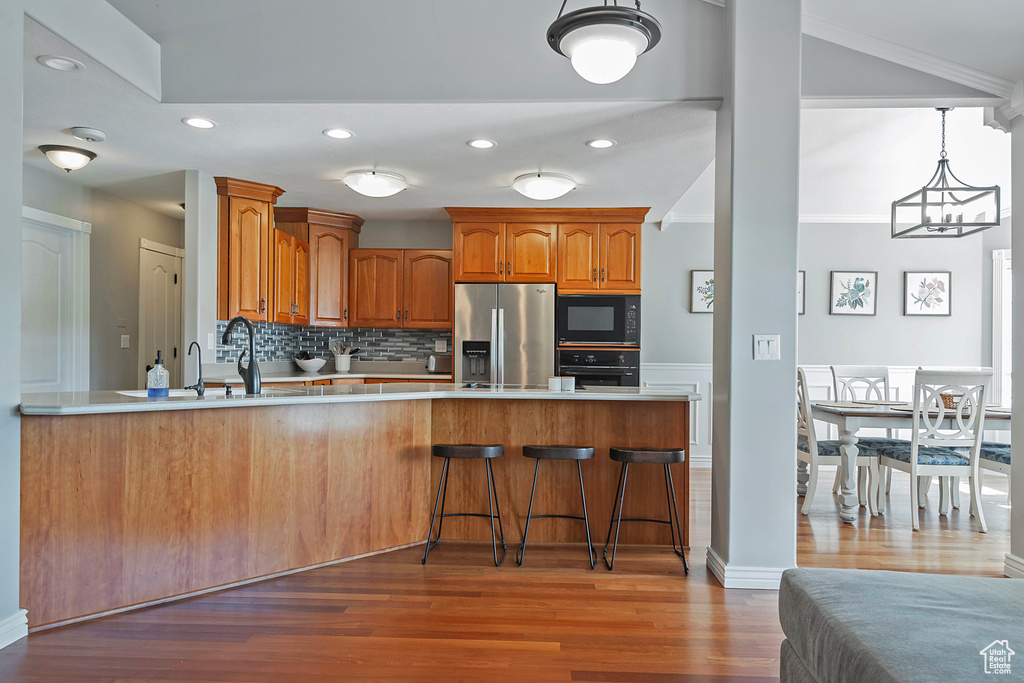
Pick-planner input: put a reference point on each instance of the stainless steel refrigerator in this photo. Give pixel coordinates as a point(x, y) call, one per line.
point(504, 333)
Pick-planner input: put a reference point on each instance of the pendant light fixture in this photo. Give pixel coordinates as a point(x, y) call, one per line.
point(375, 183)
point(543, 186)
point(68, 158)
point(945, 206)
point(603, 42)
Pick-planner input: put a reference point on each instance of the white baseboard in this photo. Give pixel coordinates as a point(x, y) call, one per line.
point(1013, 566)
point(13, 628)
point(757, 578)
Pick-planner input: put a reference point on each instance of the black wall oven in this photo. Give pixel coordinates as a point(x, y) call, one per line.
point(600, 367)
point(598, 319)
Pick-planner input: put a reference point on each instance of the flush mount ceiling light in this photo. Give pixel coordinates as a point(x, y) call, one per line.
point(197, 122)
point(600, 143)
point(375, 183)
point(338, 133)
point(60, 63)
point(481, 143)
point(945, 206)
point(543, 186)
point(68, 158)
point(603, 42)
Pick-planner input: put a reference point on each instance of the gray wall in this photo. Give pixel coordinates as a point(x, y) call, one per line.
point(117, 226)
point(406, 235)
point(993, 238)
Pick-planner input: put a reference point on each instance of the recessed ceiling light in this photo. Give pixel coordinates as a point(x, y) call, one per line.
point(338, 133)
point(88, 134)
point(375, 183)
point(197, 122)
point(481, 144)
point(600, 143)
point(543, 186)
point(60, 63)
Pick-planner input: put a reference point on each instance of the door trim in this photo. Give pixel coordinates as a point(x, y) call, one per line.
point(80, 241)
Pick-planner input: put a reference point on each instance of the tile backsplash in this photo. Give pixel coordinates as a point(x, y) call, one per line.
point(279, 342)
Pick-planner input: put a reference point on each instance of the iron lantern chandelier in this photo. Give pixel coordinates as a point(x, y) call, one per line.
point(946, 206)
point(603, 42)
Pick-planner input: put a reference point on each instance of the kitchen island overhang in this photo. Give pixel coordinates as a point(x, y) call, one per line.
point(128, 502)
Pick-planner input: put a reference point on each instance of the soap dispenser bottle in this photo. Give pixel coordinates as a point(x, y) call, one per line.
point(158, 380)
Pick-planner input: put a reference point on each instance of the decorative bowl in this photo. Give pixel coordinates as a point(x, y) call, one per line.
point(311, 365)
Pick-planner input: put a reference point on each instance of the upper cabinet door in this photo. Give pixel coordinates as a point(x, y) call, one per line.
point(620, 257)
point(249, 239)
point(328, 290)
point(428, 299)
point(300, 292)
point(375, 285)
point(479, 252)
point(284, 277)
point(530, 250)
point(578, 257)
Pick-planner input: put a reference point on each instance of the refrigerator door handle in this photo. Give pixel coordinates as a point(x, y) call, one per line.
point(494, 346)
point(501, 346)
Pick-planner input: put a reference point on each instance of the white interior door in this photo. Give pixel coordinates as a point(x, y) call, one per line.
point(160, 310)
point(54, 303)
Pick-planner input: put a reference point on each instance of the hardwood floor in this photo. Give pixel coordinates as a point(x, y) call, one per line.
point(459, 618)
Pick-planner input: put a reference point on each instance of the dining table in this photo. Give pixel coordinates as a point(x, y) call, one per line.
point(852, 417)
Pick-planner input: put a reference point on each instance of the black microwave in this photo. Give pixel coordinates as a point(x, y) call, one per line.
point(598, 319)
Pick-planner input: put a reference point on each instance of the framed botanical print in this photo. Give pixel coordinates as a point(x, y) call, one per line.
point(801, 296)
point(702, 291)
point(853, 292)
point(926, 293)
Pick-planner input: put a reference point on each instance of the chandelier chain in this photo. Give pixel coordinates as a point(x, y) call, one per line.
point(942, 154)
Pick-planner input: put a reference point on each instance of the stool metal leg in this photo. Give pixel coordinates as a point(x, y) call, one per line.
point(441, 485)
point(673, 508)
point(492, 490)
point(591, 552)
point(621, 498)
point(521, 552)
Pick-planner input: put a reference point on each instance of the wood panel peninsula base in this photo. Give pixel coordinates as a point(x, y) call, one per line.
point(125, 508)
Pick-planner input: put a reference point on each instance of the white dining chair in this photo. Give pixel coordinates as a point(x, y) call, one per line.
point(812, 453)
point(940, 449)
point(865, 383)
point(995, 457)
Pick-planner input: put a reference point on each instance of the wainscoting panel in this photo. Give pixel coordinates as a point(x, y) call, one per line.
point(693, 377)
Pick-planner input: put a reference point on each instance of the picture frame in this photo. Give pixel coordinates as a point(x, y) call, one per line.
point(927, 293)
point(801, 294)
point(702, 291)
point(853, 292)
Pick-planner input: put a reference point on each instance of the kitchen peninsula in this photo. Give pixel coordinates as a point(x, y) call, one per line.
point(127, 502)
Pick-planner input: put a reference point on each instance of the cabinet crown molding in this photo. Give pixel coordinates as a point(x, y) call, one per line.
point(472, 214)
point(236, 187)
point(332, 219)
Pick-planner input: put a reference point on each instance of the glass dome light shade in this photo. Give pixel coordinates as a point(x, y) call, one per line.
point(543, 186)
point(375, 183)
point(68, 158)
point(603, 53)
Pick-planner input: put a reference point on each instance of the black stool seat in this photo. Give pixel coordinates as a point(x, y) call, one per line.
point(661, 456)
point(467, 450)
point(559, 452)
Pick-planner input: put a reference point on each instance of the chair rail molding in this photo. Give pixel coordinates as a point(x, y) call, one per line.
point(694, 377)
point(13, 628)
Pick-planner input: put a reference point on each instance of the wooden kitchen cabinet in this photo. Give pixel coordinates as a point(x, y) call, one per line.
point(504, 252)
point(604, 257)
point(291, 279)
point(479, 252)
point(331, 236)
point(530, 250)
point(409, 288)
point(245, 241)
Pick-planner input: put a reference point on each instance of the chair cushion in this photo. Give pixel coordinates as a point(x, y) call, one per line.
point(876, 441)
point(830, 447)
point(926, 455)
point(991, 450)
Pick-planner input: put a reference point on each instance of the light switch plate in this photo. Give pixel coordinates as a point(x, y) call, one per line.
point(766, 347)
point(120, 322)
point(126, 341)
point(440, 345)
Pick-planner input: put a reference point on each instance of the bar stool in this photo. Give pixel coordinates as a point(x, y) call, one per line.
point(664, 457)
point(467, 450)
point(576, 453)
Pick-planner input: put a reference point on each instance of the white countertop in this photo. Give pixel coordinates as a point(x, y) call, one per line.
point(94, 402)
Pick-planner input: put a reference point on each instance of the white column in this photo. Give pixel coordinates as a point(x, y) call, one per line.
point(1014, 565)
point(753, 498)
point(13, 625)
point(200, 314)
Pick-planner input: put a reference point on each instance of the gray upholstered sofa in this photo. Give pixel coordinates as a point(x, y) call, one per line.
point(880, 627)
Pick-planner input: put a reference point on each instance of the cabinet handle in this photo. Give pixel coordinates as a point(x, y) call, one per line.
point(263, 304)
point(602, 275)
point(345, 314)
point(595, 274)
point(398, 315)
point(501, 267)
point(509, 267)
point(407, 314)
